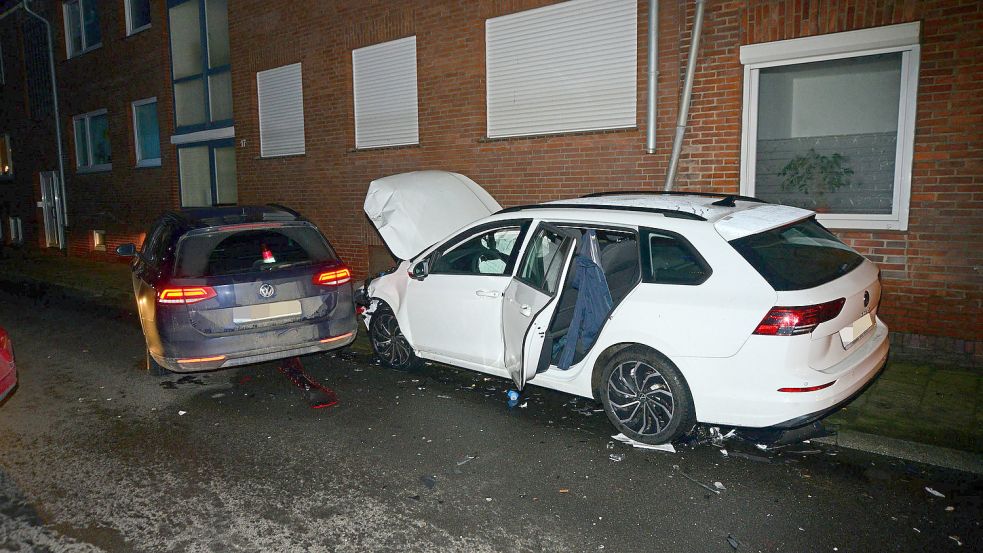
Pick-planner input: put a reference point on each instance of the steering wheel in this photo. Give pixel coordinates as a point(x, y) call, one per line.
point(486, 256)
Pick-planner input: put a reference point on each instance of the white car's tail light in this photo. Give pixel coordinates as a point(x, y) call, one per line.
point(791, 321)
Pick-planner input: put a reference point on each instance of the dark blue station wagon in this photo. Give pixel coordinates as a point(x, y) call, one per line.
point(226, 286)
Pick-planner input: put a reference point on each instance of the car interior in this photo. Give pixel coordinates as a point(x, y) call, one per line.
point(620, 263)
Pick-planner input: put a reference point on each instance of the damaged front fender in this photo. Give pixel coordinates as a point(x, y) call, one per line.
point(388, 287)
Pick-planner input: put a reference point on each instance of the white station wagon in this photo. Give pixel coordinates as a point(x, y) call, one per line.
point(670, 309)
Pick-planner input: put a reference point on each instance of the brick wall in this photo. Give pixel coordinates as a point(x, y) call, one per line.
point(932, 274)
point(124, 201)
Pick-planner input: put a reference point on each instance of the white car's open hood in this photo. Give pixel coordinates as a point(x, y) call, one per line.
point(414, 210)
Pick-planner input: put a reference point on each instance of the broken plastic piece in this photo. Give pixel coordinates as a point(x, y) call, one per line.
point(617, 457)
point(733, 542)
point(661, 447)
point(695, 481)
point(429, 480)
point(467, 459)
point(719, 486)
point(934, 492)
point(319, 396)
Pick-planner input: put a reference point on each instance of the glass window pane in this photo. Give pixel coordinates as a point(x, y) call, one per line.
point(189, 102)
point(672, 262)
point(217, 20)
point(81, 144)
point(485, 254)
point(185, 30)
point(99, 137)
point(827, 134)
point(195, 174)
point(220, 96)
point(225, 175)
point(73, 25)
point(90, 23)
point(148, 132)
point(139, 13)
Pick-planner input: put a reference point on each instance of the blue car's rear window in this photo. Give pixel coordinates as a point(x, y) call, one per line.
point(235, 251)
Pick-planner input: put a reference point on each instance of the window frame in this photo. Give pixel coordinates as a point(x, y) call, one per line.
point(9, 175)
point(86, 48)
point(212, 145)
point(467, 234)
point(837, 46)
point(206, 72)
point(148, 162)
point(90, 168)
point(130, 31)
point(645, 247)
point(362, 66)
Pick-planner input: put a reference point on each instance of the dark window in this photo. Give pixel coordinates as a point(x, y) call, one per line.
point(155, 244)
point(798, 256)
point(241, 251)
point(669, 259)
point(488, 253)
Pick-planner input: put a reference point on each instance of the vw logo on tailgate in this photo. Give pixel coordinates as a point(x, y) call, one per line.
point(267, 290)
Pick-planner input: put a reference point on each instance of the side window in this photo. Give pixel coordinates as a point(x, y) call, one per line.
point(488, 253)
point(149, 246)
point(542, 264)
point(670, 259)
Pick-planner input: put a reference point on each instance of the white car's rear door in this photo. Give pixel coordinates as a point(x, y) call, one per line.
point(532, 297)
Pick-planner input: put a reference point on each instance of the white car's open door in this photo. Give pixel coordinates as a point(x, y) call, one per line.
point(532, 297)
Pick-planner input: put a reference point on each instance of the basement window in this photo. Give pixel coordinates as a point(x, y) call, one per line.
point(6, 164)
point(99, 240)
point(82, 32)
point(829, 124)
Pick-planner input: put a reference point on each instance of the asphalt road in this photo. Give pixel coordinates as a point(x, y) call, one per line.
point(96, 455)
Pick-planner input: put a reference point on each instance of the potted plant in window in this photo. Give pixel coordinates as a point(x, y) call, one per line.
point(815, 173)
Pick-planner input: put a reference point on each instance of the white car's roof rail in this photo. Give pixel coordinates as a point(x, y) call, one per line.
point(666, 212)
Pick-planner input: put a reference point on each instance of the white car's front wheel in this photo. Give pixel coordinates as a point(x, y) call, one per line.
point(645, 397)
point(388, 341)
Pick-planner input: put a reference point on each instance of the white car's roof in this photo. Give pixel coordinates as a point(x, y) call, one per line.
point(414, 210)
point(733, 217)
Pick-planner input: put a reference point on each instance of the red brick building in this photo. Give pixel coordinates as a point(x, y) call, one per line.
point(867, 110)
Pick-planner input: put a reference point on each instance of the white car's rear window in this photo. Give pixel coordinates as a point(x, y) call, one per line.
point(798, 256)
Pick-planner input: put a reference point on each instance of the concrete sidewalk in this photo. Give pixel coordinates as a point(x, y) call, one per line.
point(914, 400)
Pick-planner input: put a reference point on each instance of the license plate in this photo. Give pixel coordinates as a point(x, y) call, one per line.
point(266, 311)
point(850, 334)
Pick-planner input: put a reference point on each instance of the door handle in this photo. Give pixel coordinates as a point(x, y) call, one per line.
point(525, 310)
point(488, 293)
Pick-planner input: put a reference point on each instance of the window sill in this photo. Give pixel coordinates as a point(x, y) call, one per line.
point(853, 222)
point(555, 134)
point(104, 168)
point(377, 148)
point(283, 156)
point(86, 51)
point(148, 164)
point(138, 30)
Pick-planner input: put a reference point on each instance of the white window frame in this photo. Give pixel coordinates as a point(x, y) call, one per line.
point(130, 31)
point(10, 174)
point(68, 44)
point(88, 142)
point(269, 83)
point(902, 38)
point(366, 137)
point(141, 162)
point(595, 41)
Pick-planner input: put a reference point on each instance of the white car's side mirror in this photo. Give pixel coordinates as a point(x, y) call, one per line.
point(420, 270)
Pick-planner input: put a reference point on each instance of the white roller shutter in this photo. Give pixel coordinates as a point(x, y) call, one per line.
point(384, 80)
point(281, 111)
point(562, 68)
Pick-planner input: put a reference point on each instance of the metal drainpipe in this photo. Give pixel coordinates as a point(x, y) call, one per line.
point(54, 99)
point(677, 142)
point(653, 75)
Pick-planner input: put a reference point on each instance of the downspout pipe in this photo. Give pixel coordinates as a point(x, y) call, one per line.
point(653, 75)
point(677, 142)
point(54, 99)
